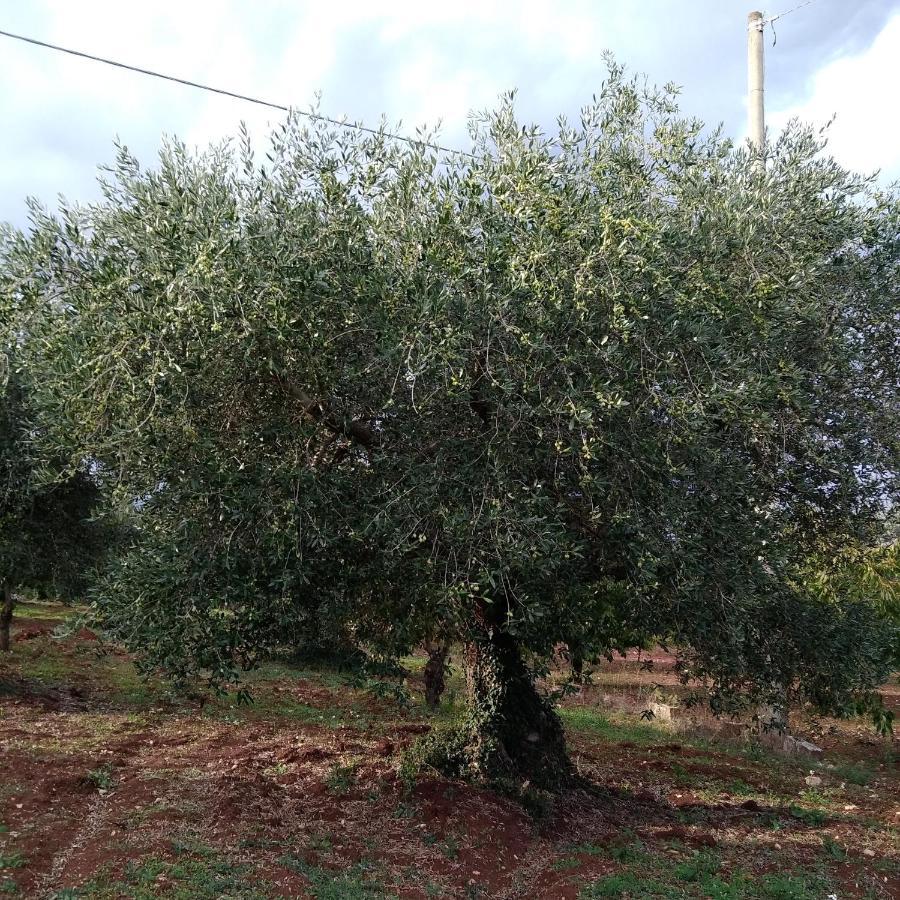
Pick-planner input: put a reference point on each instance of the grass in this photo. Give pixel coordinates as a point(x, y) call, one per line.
point(627, 884)
point(46, 612)
point(700, 879)
point(341, 778)
point(698, 867)
point(591, 721)
point(813, 817)
point(858, 773)
point(204, 879)
point(350, 883)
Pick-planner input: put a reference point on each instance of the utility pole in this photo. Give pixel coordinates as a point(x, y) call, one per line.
point(756, 86)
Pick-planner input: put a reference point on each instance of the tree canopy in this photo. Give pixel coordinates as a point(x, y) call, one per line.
point(51, 536)
point(599, 386)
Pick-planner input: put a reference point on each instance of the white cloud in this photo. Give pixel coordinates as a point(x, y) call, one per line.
point(860, 92)
point(412, 60)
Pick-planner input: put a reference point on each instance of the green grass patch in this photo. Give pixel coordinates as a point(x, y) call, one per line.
point(698, 867)
point(587, 720)
point(700, 878)
point(44, 611)
point(858, 773)
point(630, 885)
point(341, 778)
point(350, 883)
point(207, 878)
point(813, 817)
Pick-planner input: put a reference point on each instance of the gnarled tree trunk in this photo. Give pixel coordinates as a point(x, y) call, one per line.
point(435, 669)
point(514, 731)
point(6, 614)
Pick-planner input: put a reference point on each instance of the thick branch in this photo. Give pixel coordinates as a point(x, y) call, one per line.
point(357, 430)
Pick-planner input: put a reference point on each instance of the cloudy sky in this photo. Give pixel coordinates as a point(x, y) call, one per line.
point(417, 62)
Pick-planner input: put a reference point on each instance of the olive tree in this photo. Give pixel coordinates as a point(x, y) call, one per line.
point(50, 535)
point(599, 386)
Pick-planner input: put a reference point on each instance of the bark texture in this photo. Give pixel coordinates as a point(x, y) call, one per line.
point(513, 731)
point(6, 614)
point(435, 670)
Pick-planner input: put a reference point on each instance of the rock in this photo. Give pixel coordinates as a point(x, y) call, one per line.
point(868, 852)
point(662, 711)
point(790, 744)
point(813, 781)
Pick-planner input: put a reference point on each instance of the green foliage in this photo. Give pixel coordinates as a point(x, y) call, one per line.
point(599, 387)
point(352, 883)
point(860, 773)
point(52, 534)
point(813, 817)
point(101, 778)
point(443, 750)
point(340, 779)
point(699, 867)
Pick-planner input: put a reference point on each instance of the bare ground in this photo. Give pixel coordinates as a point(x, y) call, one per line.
point(111, 787)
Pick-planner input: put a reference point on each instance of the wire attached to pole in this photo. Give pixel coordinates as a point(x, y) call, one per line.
point(234, 95)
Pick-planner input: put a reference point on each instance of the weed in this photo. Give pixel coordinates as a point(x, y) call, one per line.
point(814, 817)
point(566, 862)
point(589, 848)
point(450, 847)
point(628, 853)
point(11, 860)
point(349, 884)
point(591, 721)
point(626, 884)
point(834, 849)
point(341, 778)
point(735, 888)
point(791, 887)
point(208, 877)
point(320, 842)
point(100, 778)
point(404, 810)
point(856, 773)
point(698, 867)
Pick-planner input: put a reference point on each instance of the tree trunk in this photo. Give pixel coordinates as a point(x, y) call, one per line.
point(434, 671)
point(514, 732)
point(6, 614)
point(576, 660)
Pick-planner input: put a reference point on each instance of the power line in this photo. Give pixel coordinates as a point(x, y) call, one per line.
point(235, 96)
point(773, 19)
point(787, 12)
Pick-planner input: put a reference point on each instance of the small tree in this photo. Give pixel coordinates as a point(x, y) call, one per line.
point(606, 385)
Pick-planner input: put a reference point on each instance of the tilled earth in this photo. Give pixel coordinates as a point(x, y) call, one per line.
point(110, 787)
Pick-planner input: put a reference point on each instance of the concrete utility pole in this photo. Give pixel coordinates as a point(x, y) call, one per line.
point(756, 85)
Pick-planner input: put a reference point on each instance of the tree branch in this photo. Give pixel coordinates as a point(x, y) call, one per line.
point(356, 429)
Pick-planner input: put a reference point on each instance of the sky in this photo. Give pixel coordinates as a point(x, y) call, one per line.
point(417, 63)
